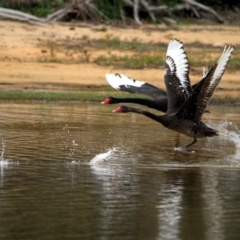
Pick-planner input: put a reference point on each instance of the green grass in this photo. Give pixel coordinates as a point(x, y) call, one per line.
point(48, 96)
point(132, 54)
point(132, 62)
point(94, 96)
point(116, 44)
point(234, 63)
point(107, 43)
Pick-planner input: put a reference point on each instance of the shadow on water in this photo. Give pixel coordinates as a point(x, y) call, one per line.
point(143, 189)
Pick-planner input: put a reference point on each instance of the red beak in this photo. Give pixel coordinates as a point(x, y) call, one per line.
point(106, 101)
point(119, 109)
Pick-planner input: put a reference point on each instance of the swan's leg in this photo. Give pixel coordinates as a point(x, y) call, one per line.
point(184, 147)
point(194, 141)
point(177, 139)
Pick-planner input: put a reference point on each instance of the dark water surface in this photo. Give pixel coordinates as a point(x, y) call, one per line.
point(146, 190)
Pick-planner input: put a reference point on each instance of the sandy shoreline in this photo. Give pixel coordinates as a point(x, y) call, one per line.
point(20, 51)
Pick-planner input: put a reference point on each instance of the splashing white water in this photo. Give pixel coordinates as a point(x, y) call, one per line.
point(3, 150)
point(102, 158)
point(3, 162)
point(181, 149)
point(228, 131)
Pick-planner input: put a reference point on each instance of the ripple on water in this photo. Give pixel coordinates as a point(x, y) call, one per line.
point(145, 188)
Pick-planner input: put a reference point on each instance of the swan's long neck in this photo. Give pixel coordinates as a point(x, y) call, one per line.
point(135, 100)
point(146, 113)
point(151, 115)
point(146, 102)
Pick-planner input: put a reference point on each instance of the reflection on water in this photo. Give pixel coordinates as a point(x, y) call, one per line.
point(170, 210)
point(144, 190)
point(214, 215)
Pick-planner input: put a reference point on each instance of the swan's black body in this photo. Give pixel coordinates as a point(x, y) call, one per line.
point(186, 105)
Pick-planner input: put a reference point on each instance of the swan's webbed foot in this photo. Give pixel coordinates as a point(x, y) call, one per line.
point(184, 147)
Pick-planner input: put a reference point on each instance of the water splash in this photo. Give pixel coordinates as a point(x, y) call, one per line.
point(69, 144)
point(3, 149)
point(102, 158)
point(228, 131)
point(74, 162)
point(182, 149)
point(3, 162)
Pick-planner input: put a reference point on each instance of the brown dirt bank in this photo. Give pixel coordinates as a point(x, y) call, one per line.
point(22, 66)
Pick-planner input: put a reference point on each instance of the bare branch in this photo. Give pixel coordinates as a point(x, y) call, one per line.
point(128, 2)
point(178, 7)
point(83, 9)
point(122, 14)
point(145, 4)
point(55, 16)
point(205, 8)
point(195, 11)
point(136, 11)
point(157, 8)
point(95, 9)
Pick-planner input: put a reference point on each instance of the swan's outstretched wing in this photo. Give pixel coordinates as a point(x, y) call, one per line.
point(196, 104)
point(126, 84)
point(176, 75)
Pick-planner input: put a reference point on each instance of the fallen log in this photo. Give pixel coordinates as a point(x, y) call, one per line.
point(21, 16)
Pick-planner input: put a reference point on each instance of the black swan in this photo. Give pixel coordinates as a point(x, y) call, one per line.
point(124, 83)
point(127, 84)
point(186, 105)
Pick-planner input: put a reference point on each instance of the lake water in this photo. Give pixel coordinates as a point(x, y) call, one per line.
point(145, 189)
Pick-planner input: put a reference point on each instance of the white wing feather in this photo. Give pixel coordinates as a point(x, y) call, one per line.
point(221, 65)
point(116, 80)
point(176, 59)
